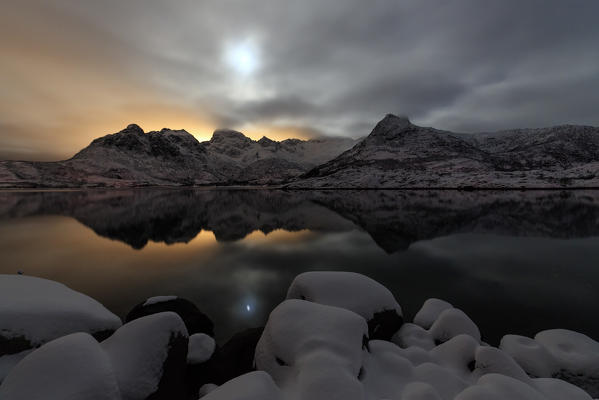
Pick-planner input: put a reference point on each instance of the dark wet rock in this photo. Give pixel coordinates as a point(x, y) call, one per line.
point(588, 383)
point(14, 345)
point(195, 320)
point(384, 324)
point(172, 382)
point(236, 357)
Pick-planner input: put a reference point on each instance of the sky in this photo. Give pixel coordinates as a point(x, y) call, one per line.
point(71, 71)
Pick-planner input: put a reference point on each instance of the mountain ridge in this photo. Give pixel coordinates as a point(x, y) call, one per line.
point(399, 154)
point(396, 154)
point(132, 157)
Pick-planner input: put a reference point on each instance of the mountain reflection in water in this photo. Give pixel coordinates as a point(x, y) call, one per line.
point(499, 255)
point(394, 219)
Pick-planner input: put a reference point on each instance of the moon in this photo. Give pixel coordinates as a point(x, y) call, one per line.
point(243, 57)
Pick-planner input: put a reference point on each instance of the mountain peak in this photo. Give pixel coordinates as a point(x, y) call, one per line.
point(395, 120)
point(133, 128)
point(264, 141)
point(221, 135)
point(390, 126)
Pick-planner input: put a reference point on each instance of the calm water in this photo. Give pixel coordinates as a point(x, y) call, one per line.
point(516, 262)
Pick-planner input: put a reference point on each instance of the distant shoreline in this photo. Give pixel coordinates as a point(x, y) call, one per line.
point(295, 189)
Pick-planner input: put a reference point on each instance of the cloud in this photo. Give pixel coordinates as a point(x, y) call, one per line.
point(330, 68)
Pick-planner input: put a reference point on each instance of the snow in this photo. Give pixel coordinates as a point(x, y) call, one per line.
point(316, 351)
point(430, 311)
point(252, 386)
point(573, 351)
point(444, 322)
point(453, 322)
point(138, 351)
point(532, 356)
point(348, 290)
point(73, 367)
point(158, 299)
point(313, 350)
point(41, 310)
point(9, 361)
point(413, 335)
point(201, 348)
point(560, 353)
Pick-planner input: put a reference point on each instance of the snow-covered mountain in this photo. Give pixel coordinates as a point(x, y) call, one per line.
point(267, 161)
point(168, 157)
point(399, 154)
point(396, 154)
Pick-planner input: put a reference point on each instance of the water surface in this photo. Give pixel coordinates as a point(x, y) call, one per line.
point(516, 262)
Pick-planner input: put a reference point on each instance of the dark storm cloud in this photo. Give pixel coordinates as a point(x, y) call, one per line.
point(322, 67)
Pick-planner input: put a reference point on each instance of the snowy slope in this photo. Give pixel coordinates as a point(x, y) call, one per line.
point(399, 154)
point(175, 158)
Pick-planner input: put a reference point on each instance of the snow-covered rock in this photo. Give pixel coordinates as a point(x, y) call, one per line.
point(252, 386)
point(8, 362)
point(149, 357)
point(201, 347)
point(195, 320)
point(158, 299)
point(309, 351)
point(354, 292)
point(73, 367)
point(558, 353)
point(453, 322)
point(430, 311)
point(34, 311)
point(436, 322)
point(531, 355)
point(314, 351)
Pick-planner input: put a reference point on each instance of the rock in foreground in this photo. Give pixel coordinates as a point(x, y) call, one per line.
point(316, 345)
point(34, 311)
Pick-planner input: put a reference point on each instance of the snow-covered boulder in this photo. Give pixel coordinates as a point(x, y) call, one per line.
point(531, 355)
point(412, 335)
point(496, 386)
point(149, 357)
point(200, 348)
point(7, 362)
point(430, 311)
point(354, 292)
point(73, 367)
point(195, 320)
point(436, 322)
point(34, 311)
point(314, 351)
point(251, 386)
point(500, 387)
point(558, 353)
